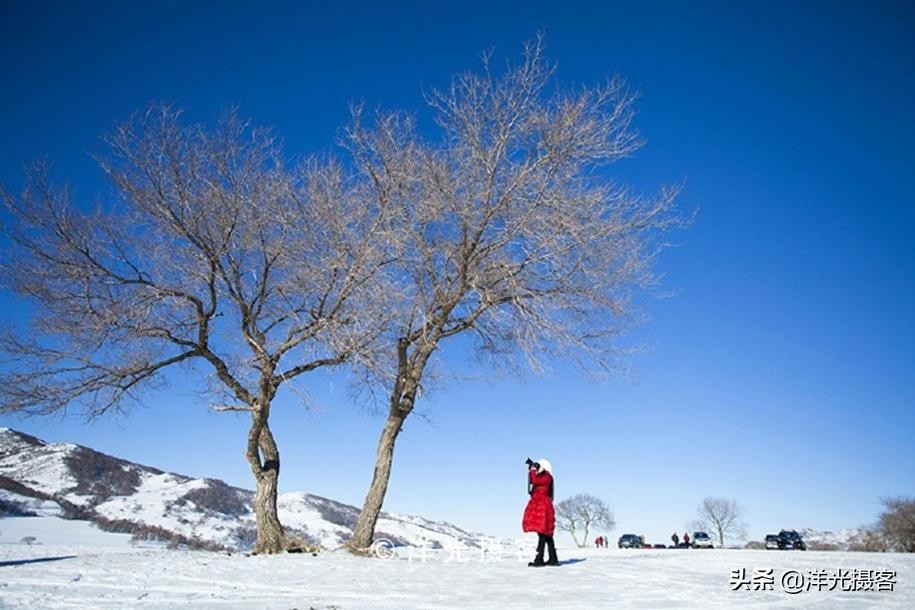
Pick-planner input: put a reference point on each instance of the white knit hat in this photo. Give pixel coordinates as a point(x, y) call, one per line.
point(545, 465)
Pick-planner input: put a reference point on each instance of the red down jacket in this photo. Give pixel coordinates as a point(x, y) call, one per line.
point(538, 515)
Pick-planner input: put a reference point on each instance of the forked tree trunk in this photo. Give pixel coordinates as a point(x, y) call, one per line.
point(575, 538)
point(364, 532)
point(265, 465)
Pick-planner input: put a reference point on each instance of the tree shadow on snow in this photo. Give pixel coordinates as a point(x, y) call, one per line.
point(20, 562)
point(569, 562)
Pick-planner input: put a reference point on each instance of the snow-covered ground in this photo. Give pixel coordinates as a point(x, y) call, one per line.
point(76, 566)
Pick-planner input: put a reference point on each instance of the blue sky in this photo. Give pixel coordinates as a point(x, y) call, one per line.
point(781, 371)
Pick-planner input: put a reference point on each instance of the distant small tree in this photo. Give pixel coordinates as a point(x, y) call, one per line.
point(897, 523)
point(721, 516)
point(579, 513)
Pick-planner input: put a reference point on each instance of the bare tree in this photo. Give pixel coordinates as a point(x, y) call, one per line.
point(579, 513)
point(897, 523)
point(721, 516)
point(507, 228)
point(213, 255)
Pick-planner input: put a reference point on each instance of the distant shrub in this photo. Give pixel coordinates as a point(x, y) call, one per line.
point(74, 511)
point(18, 488)
point(755, 545)
point(143, 531)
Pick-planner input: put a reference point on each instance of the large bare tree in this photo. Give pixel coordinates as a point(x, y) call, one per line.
point(507, 227)
point(212, 253)
point(722, 516)
point(579, 513)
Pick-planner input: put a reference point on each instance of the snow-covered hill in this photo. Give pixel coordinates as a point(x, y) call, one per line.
point(75, 482)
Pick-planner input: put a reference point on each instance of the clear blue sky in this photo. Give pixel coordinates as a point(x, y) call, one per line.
point(780, 373)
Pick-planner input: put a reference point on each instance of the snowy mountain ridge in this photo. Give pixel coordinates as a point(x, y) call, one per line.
point(840, 540)
point(76, 482)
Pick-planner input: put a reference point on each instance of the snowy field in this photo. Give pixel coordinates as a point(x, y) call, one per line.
point(73, 565)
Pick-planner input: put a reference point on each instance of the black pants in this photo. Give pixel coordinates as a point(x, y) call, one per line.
point(544, 540)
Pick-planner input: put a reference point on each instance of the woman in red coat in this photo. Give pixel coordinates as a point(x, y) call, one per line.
point(538, 515)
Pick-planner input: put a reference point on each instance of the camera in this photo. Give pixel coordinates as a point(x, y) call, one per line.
point(532, 464)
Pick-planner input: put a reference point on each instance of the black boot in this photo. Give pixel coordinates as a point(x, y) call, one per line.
point(538, 560)
point(551, 546)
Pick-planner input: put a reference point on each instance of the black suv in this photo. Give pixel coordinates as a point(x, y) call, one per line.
point(629, 541)
point(791, 540)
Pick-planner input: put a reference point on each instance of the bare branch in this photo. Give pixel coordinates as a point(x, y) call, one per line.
point(225, 408)
point(211, 236)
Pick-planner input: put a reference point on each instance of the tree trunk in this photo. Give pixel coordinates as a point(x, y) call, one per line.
point(575, 538)
point(364, 532)
point(403, 398)
point(264, 461)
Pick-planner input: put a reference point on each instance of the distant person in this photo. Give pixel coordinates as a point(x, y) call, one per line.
point(597, 542)
point(539, 515)
point(675, 539)
point(686, 538)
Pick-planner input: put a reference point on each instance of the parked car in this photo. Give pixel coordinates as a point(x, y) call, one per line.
point(772, 542)
point(659, 546)
point(701, 540)
point(629, 541)
point(790, 540)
